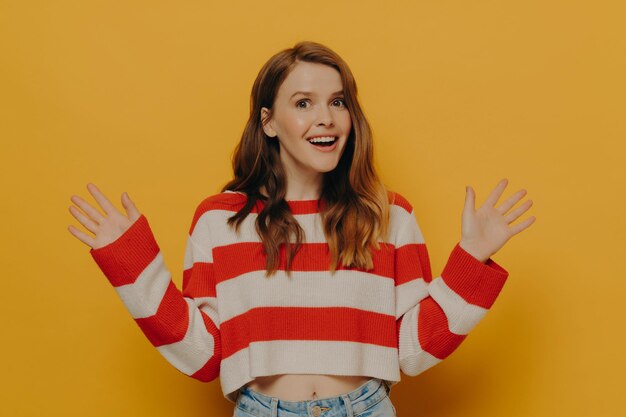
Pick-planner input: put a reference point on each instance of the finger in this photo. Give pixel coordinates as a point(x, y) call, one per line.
point(493, 197)
point(101, 199)
point(523, 225)
point(84, 220)
point(87, 240)
point(512, 216)
point(129, 206)
point(470, 200)
point(511, 201)
point(87, 208)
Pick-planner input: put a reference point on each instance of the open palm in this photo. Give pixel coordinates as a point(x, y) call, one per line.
point(105, 227)
point(486, 230)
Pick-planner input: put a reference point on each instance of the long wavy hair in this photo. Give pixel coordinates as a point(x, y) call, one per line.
point(355, 213)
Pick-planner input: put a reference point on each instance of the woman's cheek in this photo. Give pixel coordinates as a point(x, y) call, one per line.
point(301, 124)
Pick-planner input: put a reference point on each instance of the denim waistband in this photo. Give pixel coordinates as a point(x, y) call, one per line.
point(356, 401)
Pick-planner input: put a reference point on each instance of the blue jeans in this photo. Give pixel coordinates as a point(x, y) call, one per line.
point(369, 400)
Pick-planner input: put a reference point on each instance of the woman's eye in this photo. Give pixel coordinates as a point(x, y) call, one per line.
point(298, 104)
point(302, 103)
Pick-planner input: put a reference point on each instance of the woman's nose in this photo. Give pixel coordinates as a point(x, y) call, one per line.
point(325, 117)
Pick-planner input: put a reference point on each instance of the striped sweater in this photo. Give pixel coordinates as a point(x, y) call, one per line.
point(232, 322)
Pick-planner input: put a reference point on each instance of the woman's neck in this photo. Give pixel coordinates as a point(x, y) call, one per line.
point(299, 193)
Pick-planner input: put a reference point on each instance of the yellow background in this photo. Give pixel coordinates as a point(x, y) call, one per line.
point(150, 97)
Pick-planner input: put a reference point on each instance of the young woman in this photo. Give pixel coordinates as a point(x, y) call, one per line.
point(307, 285)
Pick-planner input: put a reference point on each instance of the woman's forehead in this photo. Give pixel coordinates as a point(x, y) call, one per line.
point(311, 78)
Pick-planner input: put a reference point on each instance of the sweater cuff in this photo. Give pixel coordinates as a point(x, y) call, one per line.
point(125, 258)
point(478, 283)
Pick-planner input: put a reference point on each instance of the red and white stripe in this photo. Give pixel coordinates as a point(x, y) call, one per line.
point(231, 321)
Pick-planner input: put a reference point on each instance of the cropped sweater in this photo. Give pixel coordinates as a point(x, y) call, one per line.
point(233, 322)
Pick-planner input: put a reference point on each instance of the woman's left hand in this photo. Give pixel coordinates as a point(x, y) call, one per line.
point(486, 230)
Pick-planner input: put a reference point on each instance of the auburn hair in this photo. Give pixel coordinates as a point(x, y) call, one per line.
point(355, 213)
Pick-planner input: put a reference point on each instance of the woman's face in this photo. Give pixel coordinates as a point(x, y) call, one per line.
point(309, 104)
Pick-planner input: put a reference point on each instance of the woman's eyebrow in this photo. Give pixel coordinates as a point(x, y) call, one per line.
point(309, 93)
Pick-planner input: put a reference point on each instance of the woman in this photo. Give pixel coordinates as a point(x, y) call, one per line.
point(307, 284)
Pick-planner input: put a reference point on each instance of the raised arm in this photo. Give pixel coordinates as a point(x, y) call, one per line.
point(184, 327)
point(434, 316)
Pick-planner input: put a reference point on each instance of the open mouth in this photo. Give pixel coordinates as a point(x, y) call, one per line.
point(323, 141)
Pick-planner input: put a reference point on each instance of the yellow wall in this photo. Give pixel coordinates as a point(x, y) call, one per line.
point(150, 97)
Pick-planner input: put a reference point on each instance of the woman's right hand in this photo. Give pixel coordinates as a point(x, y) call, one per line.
point(106, 228)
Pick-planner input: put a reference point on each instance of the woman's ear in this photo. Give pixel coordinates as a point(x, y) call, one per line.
point(267, 123)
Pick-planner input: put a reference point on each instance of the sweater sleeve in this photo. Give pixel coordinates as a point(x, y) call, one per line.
point(433, 316)
point(183, 327)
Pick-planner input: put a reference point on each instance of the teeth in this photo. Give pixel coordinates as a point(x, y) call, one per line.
point(322, 139)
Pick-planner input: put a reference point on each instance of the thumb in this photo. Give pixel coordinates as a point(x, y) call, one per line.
point(131, 209)
point(469, 200)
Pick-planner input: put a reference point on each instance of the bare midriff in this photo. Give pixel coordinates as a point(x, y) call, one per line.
point(297, 387)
